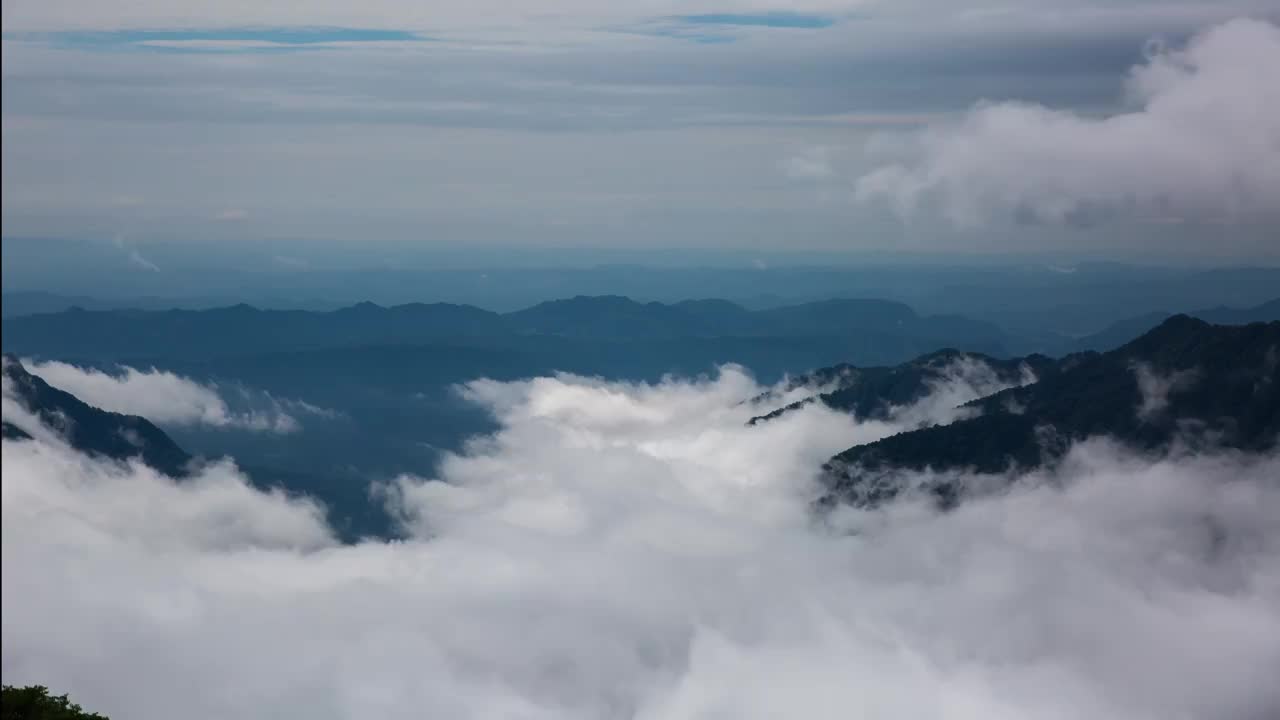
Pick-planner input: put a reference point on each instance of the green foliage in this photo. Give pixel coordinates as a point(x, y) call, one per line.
point(35, 703)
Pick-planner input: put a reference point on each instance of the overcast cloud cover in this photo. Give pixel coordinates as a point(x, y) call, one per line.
point(642, 123)
point(636, 551)
point(1201, 142)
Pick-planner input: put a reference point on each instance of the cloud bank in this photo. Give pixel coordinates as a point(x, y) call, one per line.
point(1202, 143)
point(636, 551)
point(167, 398)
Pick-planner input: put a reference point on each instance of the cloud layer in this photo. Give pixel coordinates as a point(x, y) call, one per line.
point(168, 398)
point(633, 551)
point(630, 124)
point(1201, 143)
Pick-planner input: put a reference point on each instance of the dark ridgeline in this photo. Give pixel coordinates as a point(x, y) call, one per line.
point(871, 392)
point(1119, 333)
point(1219, 385)
point(89, 429)
point(883, 329)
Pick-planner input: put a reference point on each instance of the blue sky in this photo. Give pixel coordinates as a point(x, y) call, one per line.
point(236, 39)
point(697, 123)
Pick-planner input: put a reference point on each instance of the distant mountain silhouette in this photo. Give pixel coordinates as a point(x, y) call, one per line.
point(887, 329)
point(89, 429)
point(614, 316)
point(1123, 331)
point(236, 330)
point(1185, 381)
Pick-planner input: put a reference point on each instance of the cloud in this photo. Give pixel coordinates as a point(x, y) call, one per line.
point(962, 380)
point(1156, 388)
point(136, 259)
point(214, 511)
point(634, 551)
point(1202, 142)
point(767, 19)
point(167, 398)
point(527, 126)
point(812, 164)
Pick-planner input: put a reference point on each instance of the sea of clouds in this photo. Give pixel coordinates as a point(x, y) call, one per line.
point(638, 551)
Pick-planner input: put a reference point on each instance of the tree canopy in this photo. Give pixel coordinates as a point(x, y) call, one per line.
point(35, 703)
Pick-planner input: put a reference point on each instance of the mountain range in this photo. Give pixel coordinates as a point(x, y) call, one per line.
point(1119, 333)
point(242, 330)
point(1186, 382)
point(874, 392)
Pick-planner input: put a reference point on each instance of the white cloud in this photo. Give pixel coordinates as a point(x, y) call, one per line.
point(167, 398)
point(809, 164)
point(1156, 388)
point(631, 551)
point(1203, 142)
point(136, 258)
point(698, 163)
point(962, 380)
point(213, 511)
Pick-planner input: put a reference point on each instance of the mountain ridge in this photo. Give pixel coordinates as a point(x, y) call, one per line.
point(89, 429)
point(1186, 381)
point(245, 330)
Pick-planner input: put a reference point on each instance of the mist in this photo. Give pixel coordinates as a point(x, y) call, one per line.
point(620, 550)
point(169, 398)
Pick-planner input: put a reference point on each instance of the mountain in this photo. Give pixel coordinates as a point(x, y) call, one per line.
point(614, 316)
point(31, 302)
point(87, 428)
point(1125, 330)
point(13, 304)
point(891, 329)
point(97, 432)
point(1185, 381)
point(873, 392)
point(236, 330)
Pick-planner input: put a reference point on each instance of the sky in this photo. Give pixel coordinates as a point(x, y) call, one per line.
point(914, 125)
